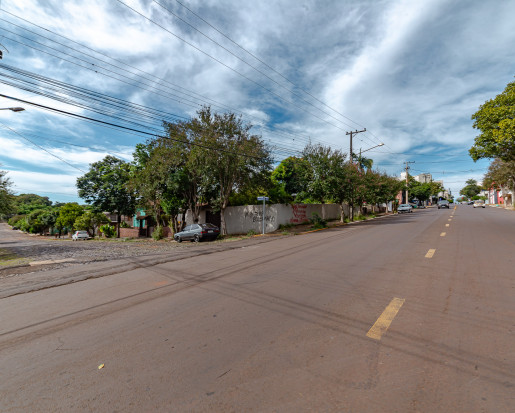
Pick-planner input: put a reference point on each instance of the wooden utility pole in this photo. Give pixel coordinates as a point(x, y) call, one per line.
point(352, 133)
point(407, 180)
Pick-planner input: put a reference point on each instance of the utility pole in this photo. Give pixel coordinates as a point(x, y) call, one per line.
point(352, 133)
point(407, 180)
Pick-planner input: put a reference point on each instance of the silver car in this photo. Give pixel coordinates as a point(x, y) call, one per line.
point(78, 235)
point(404, 208)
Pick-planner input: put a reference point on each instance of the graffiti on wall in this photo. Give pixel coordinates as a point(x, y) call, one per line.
point(299, 214)
point(257, 216)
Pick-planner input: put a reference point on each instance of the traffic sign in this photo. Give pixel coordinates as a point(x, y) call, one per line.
point(263, 198)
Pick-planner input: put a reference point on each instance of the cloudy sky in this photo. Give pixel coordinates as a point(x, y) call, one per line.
point(411, 72)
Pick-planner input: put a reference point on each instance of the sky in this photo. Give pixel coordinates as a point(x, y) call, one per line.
point(411, 73)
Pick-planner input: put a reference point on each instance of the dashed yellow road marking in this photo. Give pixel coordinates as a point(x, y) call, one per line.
point(385, 319)
point(449, 219)
point(430, 253)
point(442, 234)
point(446, 225)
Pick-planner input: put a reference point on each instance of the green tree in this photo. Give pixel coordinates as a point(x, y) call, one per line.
point(291, 174)
point(322, 172)
point(501, 174)
point(159, 180)
point(68, 214)
point(26, 203)
point(471, 189)
point(228, 154)
point(6, 197)
point(105, 186)
point(49, 218)
point(90, 221)
point(495, 119)
point(192, 180)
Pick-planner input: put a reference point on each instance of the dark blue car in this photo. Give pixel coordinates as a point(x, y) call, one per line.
point(197, 232)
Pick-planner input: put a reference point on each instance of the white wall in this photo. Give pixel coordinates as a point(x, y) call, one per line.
point(242, 219)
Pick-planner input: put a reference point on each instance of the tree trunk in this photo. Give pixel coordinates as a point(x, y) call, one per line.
point(223, 228)
point(119, 221)
point(342, 214)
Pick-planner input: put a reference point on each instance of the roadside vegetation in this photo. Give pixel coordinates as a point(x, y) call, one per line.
point(212, 159)
point(495, 120)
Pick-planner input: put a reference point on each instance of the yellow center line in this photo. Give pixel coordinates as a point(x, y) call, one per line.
point(430, 253)
point(446, 225)
point(385, 319)
point(442, 234)
point(449, 219)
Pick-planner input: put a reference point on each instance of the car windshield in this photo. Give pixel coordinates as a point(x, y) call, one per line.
point(210, 226)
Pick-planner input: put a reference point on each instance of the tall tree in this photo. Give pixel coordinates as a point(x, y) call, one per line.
point(291, 174)
point(6, 197)
point(228, 153)
point(496, 121)
point(322, 172)
point(501, 174)
point(105, 186)
point(68, 214)
point(471, 189)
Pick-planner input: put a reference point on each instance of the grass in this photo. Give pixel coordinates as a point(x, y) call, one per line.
point(10, 259)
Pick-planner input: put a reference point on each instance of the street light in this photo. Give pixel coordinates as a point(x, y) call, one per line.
point(17, 109)
point(373, 147)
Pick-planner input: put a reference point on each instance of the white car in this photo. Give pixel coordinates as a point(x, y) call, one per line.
point(78, 235)
point(404, 208)
point(479, 204)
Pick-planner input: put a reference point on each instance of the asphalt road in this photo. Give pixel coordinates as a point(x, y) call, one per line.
point(411, 313)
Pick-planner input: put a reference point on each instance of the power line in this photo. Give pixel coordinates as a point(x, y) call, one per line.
point(124, 127)
point(40, 147)
point(227, 66)
point(96, 64)
point(261, 61)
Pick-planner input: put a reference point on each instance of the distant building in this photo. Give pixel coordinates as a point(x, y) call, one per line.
point(422, 178)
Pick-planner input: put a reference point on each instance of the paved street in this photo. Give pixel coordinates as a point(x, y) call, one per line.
point(407, 313)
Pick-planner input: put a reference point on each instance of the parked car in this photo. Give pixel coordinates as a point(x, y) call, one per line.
point(78, 235)
point(479, 204)
point(470, 203)
point(197, 232)
point(404, 208)
point(443, 204)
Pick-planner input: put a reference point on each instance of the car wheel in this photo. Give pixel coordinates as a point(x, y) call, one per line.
point(178, 239)
point(196, 238)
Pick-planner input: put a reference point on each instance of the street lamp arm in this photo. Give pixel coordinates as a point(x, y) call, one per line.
point(373, 147)
point(16, 109)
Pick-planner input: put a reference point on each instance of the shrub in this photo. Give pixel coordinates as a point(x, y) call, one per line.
point(251, 233)
point(158, 233)
point(285, 226)
point(108, 230)
point(317, 221)
point(123, 224)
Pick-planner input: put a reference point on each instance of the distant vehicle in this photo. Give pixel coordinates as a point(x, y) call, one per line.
point(197, 232)
point(78, 235)
point(443, 204)
point(413, 205)
point(479, 203)
point(470, 203)
point(402, 208)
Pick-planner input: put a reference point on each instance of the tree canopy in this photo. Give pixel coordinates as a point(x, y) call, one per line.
point(6, 198)
point(105, 186)
point(471, 189)
point(495, 119)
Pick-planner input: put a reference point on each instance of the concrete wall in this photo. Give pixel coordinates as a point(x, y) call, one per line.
point(242, 219)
